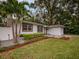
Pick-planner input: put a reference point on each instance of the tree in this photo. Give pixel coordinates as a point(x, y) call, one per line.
point(64, 12)
point(70, 16)
point(51, 9)
point(14, 8)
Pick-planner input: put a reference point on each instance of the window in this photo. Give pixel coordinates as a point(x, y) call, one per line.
point(27, 27)
point(40, 28)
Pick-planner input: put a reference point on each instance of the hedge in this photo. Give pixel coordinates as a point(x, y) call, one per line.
point(30, 36)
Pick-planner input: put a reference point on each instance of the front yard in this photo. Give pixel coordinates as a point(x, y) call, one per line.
point(46, 49)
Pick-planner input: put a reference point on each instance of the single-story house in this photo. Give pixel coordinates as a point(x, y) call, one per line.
point(32, 27)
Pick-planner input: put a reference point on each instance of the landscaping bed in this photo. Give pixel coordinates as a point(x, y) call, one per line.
point(29, 41)
point(50, 48)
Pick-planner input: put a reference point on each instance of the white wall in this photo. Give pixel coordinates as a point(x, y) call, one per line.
point(5, 33)
point(55, 31)
point(44, 30)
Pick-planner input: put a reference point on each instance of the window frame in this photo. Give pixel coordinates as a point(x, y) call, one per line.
point(26, 29)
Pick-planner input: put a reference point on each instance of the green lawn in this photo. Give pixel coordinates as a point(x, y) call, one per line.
point(46, 49)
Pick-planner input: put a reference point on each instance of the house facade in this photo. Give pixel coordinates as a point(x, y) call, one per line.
point(30, 28)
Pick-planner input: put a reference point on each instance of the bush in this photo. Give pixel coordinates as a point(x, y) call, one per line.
point(30, 36)
point(2, 49)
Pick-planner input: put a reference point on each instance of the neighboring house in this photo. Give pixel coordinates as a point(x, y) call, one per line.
point(30, 28)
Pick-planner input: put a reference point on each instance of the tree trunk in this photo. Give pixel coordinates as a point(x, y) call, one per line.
point(16, 35)
point(20, 27)
point(13, 32)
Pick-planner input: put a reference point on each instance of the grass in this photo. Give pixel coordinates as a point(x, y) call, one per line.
point(46, 49)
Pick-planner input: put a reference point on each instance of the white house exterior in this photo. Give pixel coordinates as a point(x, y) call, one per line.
point(5, 33)
point(34, 28)
point(54, 30)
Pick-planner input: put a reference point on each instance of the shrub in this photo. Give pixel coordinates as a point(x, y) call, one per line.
point(21, 35)
point(2, 49)
point(30, 36)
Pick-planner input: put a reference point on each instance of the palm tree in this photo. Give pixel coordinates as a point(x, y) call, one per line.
point(14, 8)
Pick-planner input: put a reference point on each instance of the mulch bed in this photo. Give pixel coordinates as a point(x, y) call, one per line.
point(6, 49)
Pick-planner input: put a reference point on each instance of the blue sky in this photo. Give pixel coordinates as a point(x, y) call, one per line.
point(30, 1)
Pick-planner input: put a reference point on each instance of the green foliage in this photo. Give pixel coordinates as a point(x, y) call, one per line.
point(72, 29)
point(30, 36)
point(2, 49)
point(64, 12)
point(13, 6)
point(46, 49)
point(0, 20)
